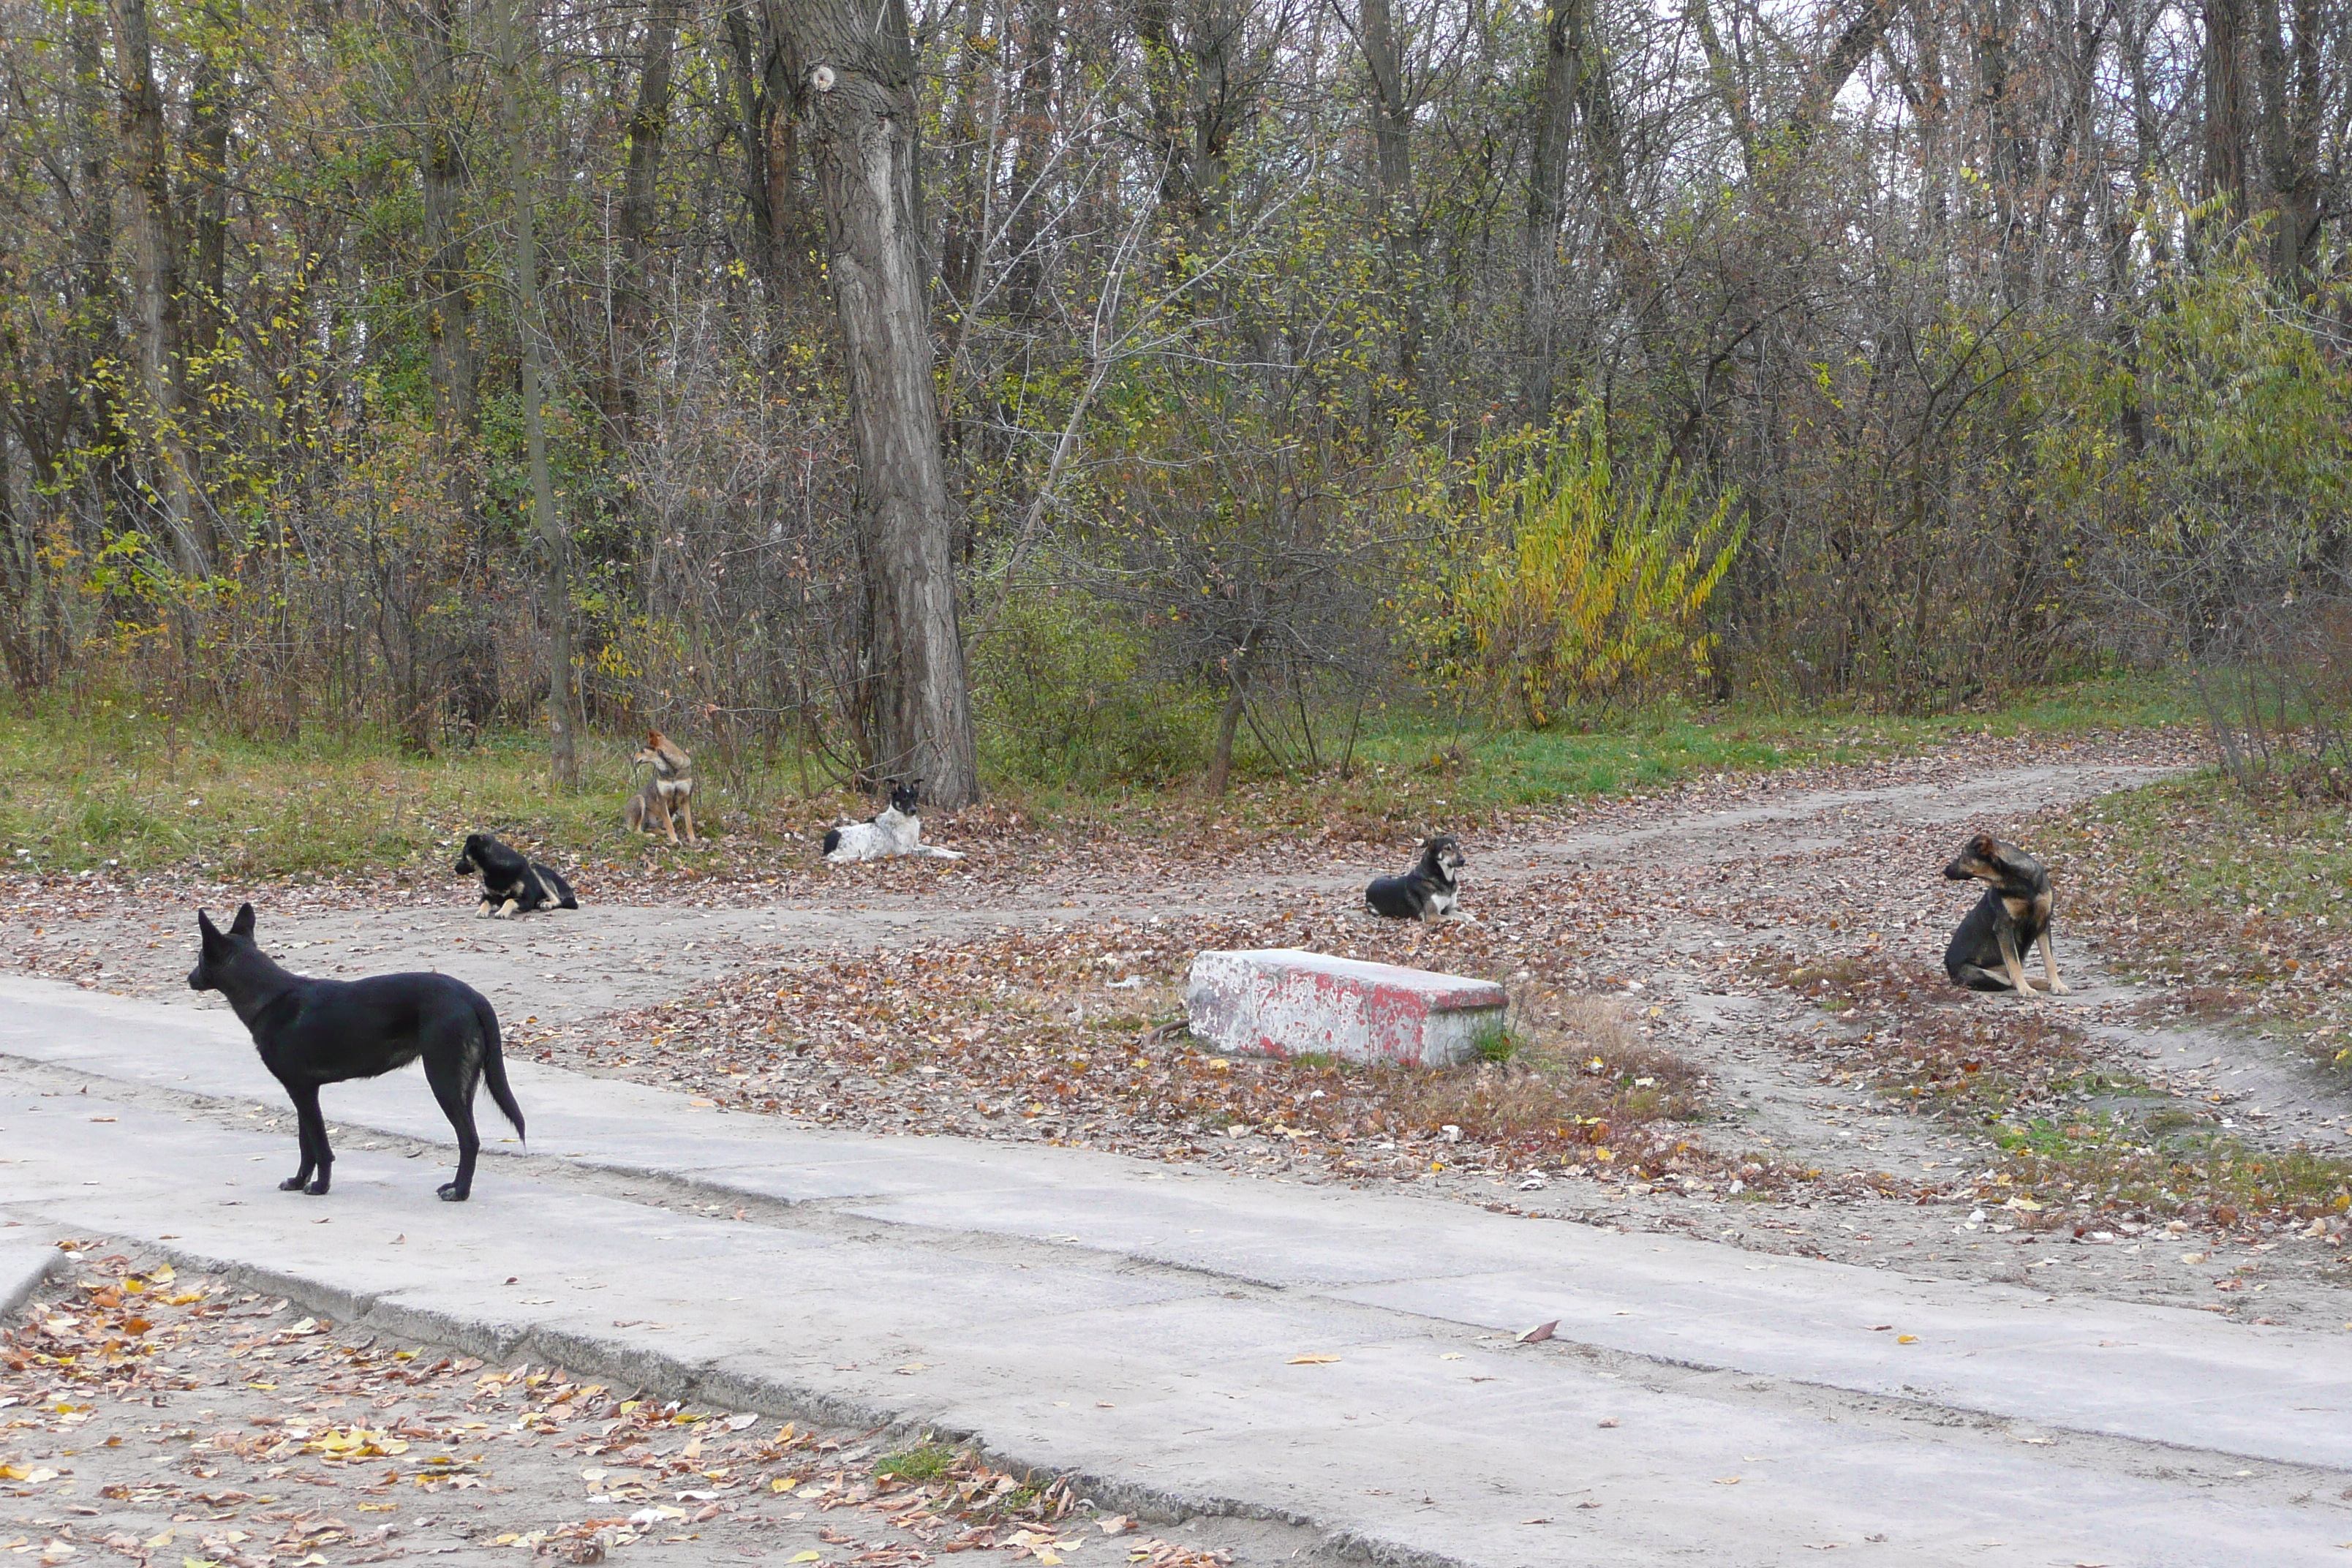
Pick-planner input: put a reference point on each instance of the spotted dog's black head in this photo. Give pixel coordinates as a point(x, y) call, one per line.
point(905, 798)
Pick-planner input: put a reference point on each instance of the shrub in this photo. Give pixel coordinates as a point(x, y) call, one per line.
point(1568, 585)
point(1060, 696)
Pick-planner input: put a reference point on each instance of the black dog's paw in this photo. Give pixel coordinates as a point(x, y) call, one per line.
point(317, 1189)
point(451, 1192)
point(293, 1184)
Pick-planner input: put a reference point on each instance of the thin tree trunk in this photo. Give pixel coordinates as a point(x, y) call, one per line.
point(1392, 112)
point(1237, 671)
point(92, 408)
point(768, 129)
point(556, 546)
point(1546, 176)
point(208, 127)
point(632, 309)
point(858, 67)
point(1033, 149)
point(448, 295)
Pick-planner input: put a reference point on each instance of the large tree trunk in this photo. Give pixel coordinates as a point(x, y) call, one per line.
point(562, 710)
point(2226, 109)
point(154, 276)
point(452, 364)
point(857, 66)
point(2290, 136)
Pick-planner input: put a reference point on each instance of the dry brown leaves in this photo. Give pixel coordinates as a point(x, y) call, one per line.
point(312, 1444)
point(1918, 1042)
point(1067, 1036)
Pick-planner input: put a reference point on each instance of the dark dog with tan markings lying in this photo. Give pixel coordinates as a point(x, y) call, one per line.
point(2013, 915)
point(316, 1032)
point(1431, 891)
point(512, 882)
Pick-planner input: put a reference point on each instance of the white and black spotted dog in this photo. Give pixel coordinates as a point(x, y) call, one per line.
point(897, 831)
point(1431, 891)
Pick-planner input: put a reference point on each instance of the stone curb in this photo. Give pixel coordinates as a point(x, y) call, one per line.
point(677, 1378)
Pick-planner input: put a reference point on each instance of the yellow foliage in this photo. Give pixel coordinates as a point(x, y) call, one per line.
point(1564, 586)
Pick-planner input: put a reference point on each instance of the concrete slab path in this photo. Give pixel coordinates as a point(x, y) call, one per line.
point(1146, 1326)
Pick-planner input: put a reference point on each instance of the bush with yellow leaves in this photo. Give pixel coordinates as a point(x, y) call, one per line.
point(1568, 584)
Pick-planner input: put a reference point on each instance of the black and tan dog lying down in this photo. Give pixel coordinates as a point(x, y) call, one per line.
point(513, 883)
point(1987, 951)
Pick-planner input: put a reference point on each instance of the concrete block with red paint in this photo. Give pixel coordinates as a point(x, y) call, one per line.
point(1285, 1001)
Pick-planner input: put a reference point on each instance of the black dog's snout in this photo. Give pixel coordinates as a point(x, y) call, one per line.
point(1956, 872)
point(465, 866)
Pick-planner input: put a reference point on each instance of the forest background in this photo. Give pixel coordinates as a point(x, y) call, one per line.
point(1305, 369)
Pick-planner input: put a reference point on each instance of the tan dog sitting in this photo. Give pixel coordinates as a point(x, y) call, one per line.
point(668, 798)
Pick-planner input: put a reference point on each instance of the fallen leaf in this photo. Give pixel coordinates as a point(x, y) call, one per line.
point(1540, 1333)
point(1727, 1480)
point(1316, 1359)
point(1906, 1338)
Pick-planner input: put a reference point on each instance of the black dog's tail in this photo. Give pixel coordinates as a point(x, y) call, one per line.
point(494, 1069)
point(832, 840)
point(563, 899)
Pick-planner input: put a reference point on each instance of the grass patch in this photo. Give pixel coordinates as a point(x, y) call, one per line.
point(2036, 1085)
point(124, 790)
point(925, 1462)
point(1495, 1043)
point(2078, 1170)
point(2238, 901)
point(116, 785)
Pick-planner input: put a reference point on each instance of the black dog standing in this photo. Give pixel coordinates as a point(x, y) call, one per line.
point(511, 883)
point(316, 1032)
point(2013, 915)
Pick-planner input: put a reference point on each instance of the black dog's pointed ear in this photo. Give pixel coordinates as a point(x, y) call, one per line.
point(242, 925)
point(205, 929)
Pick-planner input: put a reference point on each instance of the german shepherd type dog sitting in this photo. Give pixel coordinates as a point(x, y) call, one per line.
point(668, 798)
point(898, 830)
point(509, 882)
point(315, 1032)
point(1431, 890)
point(2015, 914)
